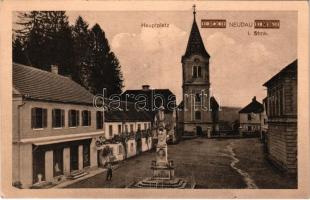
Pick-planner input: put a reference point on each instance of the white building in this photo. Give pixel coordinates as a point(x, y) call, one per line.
point(251, 118)
point(55, 127)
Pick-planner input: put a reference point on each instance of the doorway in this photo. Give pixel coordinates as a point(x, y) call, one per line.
point(74, 158)
point(199, 131)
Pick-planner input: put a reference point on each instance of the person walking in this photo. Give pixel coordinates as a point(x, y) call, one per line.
point(109, 172)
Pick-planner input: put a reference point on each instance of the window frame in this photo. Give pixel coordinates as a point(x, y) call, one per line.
point(77, 118)
point(110, 130)
point(33, 118)
point(88, 118)
point(61, 118)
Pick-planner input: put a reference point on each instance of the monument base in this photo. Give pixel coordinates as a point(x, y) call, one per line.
point(163, 177)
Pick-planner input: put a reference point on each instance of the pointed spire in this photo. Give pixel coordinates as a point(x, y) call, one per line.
point(195, 43)
point(194, 12)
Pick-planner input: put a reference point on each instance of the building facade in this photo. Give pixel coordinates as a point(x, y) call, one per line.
point(251, 118)
point(150, 100)
point(129, 130)
point(195, 116)
point(55, 127)
point(282, 118)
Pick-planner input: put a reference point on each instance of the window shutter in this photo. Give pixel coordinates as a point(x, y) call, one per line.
point(77, 118)
point(44, 116)
point(62, 118)
point(33, 117)
point(53, 118)
point(70, 118)
point(89, 118)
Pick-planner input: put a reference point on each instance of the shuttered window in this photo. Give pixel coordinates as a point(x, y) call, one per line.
point(86, 117)
point(58, 118)
point(38, 118)
point(74, 118)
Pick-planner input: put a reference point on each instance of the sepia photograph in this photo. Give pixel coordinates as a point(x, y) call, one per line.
point(193, 98)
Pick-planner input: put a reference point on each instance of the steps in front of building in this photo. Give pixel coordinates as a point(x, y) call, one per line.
point(77, 174)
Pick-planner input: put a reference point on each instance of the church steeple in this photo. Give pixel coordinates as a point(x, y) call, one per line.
point(195, 44)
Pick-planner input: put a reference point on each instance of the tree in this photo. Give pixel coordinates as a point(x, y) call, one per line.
point(81, 42)
point(18, 52)
point(105, 67)
point(46, 39)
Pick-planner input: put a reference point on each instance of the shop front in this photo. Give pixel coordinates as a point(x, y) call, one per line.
point(51, 162)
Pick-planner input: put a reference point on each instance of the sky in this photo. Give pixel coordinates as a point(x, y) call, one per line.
point(239, 65)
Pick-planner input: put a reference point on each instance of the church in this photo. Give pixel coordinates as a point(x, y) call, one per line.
point(195, 116)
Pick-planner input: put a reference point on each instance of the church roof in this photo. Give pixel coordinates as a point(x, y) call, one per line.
point(195, 44)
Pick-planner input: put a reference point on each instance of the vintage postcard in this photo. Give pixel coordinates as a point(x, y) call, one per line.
point(176, 99)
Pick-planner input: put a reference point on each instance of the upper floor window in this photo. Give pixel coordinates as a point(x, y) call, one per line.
point(110, 130)
point(197, 72)
point(249, 117)
point(197, 115)
point(119, 129)
point(58, 118)
point(139, 127)
point(86, 118)
point(74, 118)
point(131, 127)
point(38, 118)
point(99, 120)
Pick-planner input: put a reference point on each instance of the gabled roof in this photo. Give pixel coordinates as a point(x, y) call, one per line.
point(290, 69)
point(37, 84)
point(195, 43)
point(253, 107)
point(128, 113)
point(150, 94)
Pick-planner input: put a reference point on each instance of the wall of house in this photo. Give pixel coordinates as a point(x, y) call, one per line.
point(131, 148)
point(255, 122)
point(282, 145)
point(22, 158)
point(123, 124)
point(28, 132)
point(282, 127)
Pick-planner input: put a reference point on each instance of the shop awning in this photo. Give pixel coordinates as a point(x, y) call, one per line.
point(61, 138)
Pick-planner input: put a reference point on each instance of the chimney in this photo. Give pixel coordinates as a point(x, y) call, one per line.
point(254, 98)
point(145, 87)
point(54, 69)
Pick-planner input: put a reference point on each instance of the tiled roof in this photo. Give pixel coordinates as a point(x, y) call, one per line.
point(151, 96)
point(128, 113)
point(195, 44)
point(253, 107)
point(290, 69)
point(37, 84)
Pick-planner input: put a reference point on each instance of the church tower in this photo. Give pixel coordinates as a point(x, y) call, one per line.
point(197, 118)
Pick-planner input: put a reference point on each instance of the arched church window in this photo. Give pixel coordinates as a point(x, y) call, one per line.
point(199, 71)
point(195, 72)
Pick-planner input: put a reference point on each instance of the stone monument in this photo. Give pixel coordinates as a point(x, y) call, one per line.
point(162, 168)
